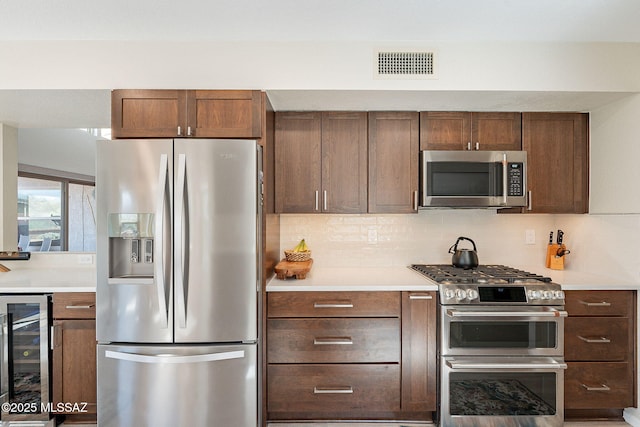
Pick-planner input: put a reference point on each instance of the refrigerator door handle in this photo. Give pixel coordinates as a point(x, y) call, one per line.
point(180, 224)
point(171, 358)
point(159, 240)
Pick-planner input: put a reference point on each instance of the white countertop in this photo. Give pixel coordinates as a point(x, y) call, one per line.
point(404, 279)
point(48, 280)
point(355, 279)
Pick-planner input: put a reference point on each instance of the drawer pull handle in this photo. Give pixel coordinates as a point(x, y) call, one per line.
point(333, 304)
point(602, 387)
point(81, 307)
point(333, 390)
point(332, 341)
point(601, 340)
point(595, 304)
point(420, 297)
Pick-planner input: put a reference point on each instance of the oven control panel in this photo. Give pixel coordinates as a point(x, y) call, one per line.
point(534, 294)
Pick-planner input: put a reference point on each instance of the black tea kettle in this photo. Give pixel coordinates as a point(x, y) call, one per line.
point(464, 258)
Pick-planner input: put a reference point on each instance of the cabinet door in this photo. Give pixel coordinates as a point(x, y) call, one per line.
point(224, 113)
point(418, 352)
point(148, 113)
point(344, 162)
point(557, 156)
point(442, 130)
point(496, 131)
point(298, 168)
point(393, 162)
point(74, 363)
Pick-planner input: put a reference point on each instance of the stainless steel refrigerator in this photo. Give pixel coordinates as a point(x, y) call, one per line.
point(178, 282)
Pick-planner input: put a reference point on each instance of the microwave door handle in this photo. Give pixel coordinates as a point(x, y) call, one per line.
point(505, 165)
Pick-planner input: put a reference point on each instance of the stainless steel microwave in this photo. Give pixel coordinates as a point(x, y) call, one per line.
point(473, 179)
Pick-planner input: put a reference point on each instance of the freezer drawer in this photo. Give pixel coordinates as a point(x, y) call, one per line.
point(168, 386)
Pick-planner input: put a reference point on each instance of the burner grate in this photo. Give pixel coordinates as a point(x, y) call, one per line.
point(492, 274)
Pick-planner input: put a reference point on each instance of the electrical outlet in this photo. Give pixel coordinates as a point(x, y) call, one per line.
point(530, 237)
point(372, 236)
point(85, 259)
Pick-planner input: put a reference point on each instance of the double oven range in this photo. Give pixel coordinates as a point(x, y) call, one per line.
point(500, 347)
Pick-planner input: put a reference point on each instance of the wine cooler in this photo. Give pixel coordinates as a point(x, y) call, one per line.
point(24, 373)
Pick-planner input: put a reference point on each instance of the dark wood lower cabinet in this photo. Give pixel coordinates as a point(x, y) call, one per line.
point(352, 356)
point(322, 392)
point(74, 356)
point(600, 353)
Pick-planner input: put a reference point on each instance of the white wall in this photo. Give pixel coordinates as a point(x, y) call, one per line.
point(70, 150)
point(608, 67)
point(615, 153)
point(9, 190)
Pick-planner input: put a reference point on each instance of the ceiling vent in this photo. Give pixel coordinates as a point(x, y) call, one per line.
point(405, 64)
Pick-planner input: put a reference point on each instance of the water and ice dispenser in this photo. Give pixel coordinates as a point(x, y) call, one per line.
point(131, 248)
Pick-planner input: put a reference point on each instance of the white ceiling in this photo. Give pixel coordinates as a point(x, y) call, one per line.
point(438, 20)
point(313, 20)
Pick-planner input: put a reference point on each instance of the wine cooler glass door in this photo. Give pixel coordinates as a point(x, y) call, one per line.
point(25, 362)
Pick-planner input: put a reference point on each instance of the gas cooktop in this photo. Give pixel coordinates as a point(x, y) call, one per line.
point(491, 285)
point(483, 274)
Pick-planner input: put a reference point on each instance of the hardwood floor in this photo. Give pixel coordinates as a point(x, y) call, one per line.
point(572, 424)
point(407, 424)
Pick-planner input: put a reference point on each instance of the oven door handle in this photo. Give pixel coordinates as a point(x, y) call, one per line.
point(453, 364)
point(551, 312)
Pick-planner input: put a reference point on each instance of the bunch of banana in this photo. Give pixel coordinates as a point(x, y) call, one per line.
point(301, 247)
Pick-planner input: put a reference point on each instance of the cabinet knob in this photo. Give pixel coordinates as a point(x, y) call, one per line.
point(179, 131)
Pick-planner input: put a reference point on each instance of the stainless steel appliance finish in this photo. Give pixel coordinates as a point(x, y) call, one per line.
point(24, 373)
point(501, 347)
point(505, 392)
point(496, 331)
point(473, 179)
point(191, 385)
point(178, 282)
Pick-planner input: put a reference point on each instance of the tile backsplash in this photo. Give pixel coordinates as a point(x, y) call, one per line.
point(597, 243)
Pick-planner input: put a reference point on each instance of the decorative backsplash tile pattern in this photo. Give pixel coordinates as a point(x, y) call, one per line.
point(597, 243)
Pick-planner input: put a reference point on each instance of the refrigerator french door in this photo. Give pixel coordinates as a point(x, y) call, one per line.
point(178, 282)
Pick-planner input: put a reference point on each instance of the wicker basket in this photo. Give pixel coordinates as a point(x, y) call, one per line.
point(297, 256)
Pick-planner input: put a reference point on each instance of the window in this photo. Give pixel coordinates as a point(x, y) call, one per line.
point(55, 214)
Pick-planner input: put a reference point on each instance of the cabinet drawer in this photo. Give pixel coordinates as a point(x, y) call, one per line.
point(333, 304)
point(333, 340)
point(332, 391)
point(599, 303)
point(74, 305)
point(598, 385)
point(592, 338)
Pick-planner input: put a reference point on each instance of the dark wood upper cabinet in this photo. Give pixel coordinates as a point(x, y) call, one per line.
point(224, 113)
point(147, 113)
point(186, 113)
point(344, 162)
point(321, 162)
point(298, 141)
point(443, 130)
point(557, 156)
point(393, 162)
